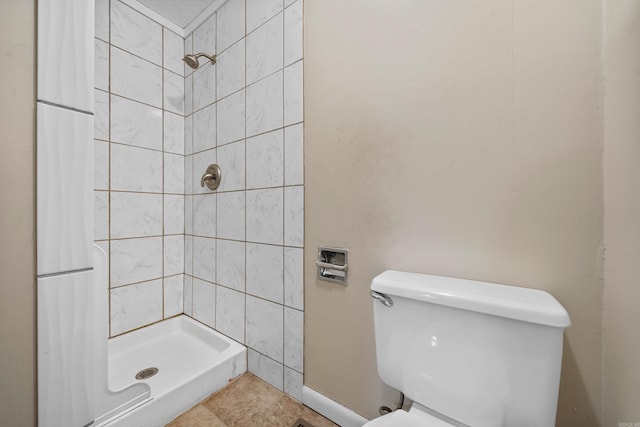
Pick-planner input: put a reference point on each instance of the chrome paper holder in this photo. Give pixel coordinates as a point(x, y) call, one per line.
point(332, 264)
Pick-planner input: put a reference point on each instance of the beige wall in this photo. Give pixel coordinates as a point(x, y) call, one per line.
point(622, 212)
point(453, 138)
point(17, 214)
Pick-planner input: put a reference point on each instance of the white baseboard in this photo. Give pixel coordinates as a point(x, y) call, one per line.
point(331, 409)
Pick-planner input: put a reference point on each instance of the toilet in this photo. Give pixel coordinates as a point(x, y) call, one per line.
point(467, 353)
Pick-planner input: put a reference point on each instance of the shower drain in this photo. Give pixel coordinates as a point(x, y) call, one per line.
point(146, 373)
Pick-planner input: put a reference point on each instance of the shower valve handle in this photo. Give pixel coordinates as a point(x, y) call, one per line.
point(211, 177)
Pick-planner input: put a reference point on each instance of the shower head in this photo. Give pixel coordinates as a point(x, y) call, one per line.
point(192, 60)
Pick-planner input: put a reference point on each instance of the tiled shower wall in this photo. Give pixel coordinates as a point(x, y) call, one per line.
point(244, 242)
point(139, 164)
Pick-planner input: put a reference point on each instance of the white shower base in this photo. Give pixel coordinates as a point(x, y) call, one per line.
point(193, 361)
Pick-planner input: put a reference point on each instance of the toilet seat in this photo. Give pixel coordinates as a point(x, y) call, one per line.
point(413, 418)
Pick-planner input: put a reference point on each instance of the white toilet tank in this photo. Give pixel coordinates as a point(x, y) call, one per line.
point(482, 354)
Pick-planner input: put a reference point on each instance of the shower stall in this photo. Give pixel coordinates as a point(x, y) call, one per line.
point(153, 289)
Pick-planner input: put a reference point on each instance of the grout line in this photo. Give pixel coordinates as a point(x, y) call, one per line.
point(215, 209)
point(147, 148)
point(246, 312)
point(164, 245)
point(109, 171)
point(284, 222)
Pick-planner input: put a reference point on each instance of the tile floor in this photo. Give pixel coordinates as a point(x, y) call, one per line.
point(249, 402)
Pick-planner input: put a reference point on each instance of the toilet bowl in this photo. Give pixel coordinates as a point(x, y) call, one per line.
point(480, 354)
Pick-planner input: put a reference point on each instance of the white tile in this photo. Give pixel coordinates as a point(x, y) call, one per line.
point(173, 255)
point(293, 383)
point(201, 161)
point(188, 94)
point(294, 216)
point(100, 215)
point(265, 271)
point(135, 260)
point(293, 338)
point(264, 105)
point(230, 27)
point(293, 155)
point(204, 215)
point(230, 76)
point(173, 173)
point(293, 33)
point(204, 129)
point(135, 215)
point(173, 92)
point(204, 302)
point(188, 254)
point(135, 78)
point(293, 101)
point(265, 50)
point(231, 118)
point(264, 216)
point(135, 306)
point(288, 2)
point(64, 190)
point(102, 19)
point(188, 214)
point(204, 258)
point(174, 214)
point(294, 278)
point(100, 165)
point(204, 86)
point(173, 133)
point(266, 369)
point(101, 60)
point(135, 169)
point(188, 175)
point(204, 37)
point(230, 215)
point(173, 295)
point(188, 49)
point(230, 313)
point(173, 52)
point(230, 264)
point(134, 123)
point(265, 327)
point(135, 33)
point(188, 295)
point(231, 159)
point(188, 135)
point(265, 162)
point(101, 115)
point(259, 11)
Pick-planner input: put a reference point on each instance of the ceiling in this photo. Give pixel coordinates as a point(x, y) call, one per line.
point(180, 12)
point(180, 16)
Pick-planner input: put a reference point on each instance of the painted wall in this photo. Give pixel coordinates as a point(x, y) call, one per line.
point(453, 138)
point(621, 371)
point(139, 164)
point(18, 220)
point(243, 257)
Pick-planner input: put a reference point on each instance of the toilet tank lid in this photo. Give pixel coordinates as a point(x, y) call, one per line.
point(528, 305)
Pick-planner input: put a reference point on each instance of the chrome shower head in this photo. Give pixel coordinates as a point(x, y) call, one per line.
point(192, 60)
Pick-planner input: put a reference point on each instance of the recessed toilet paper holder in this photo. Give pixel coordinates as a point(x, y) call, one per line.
point(332, 264)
